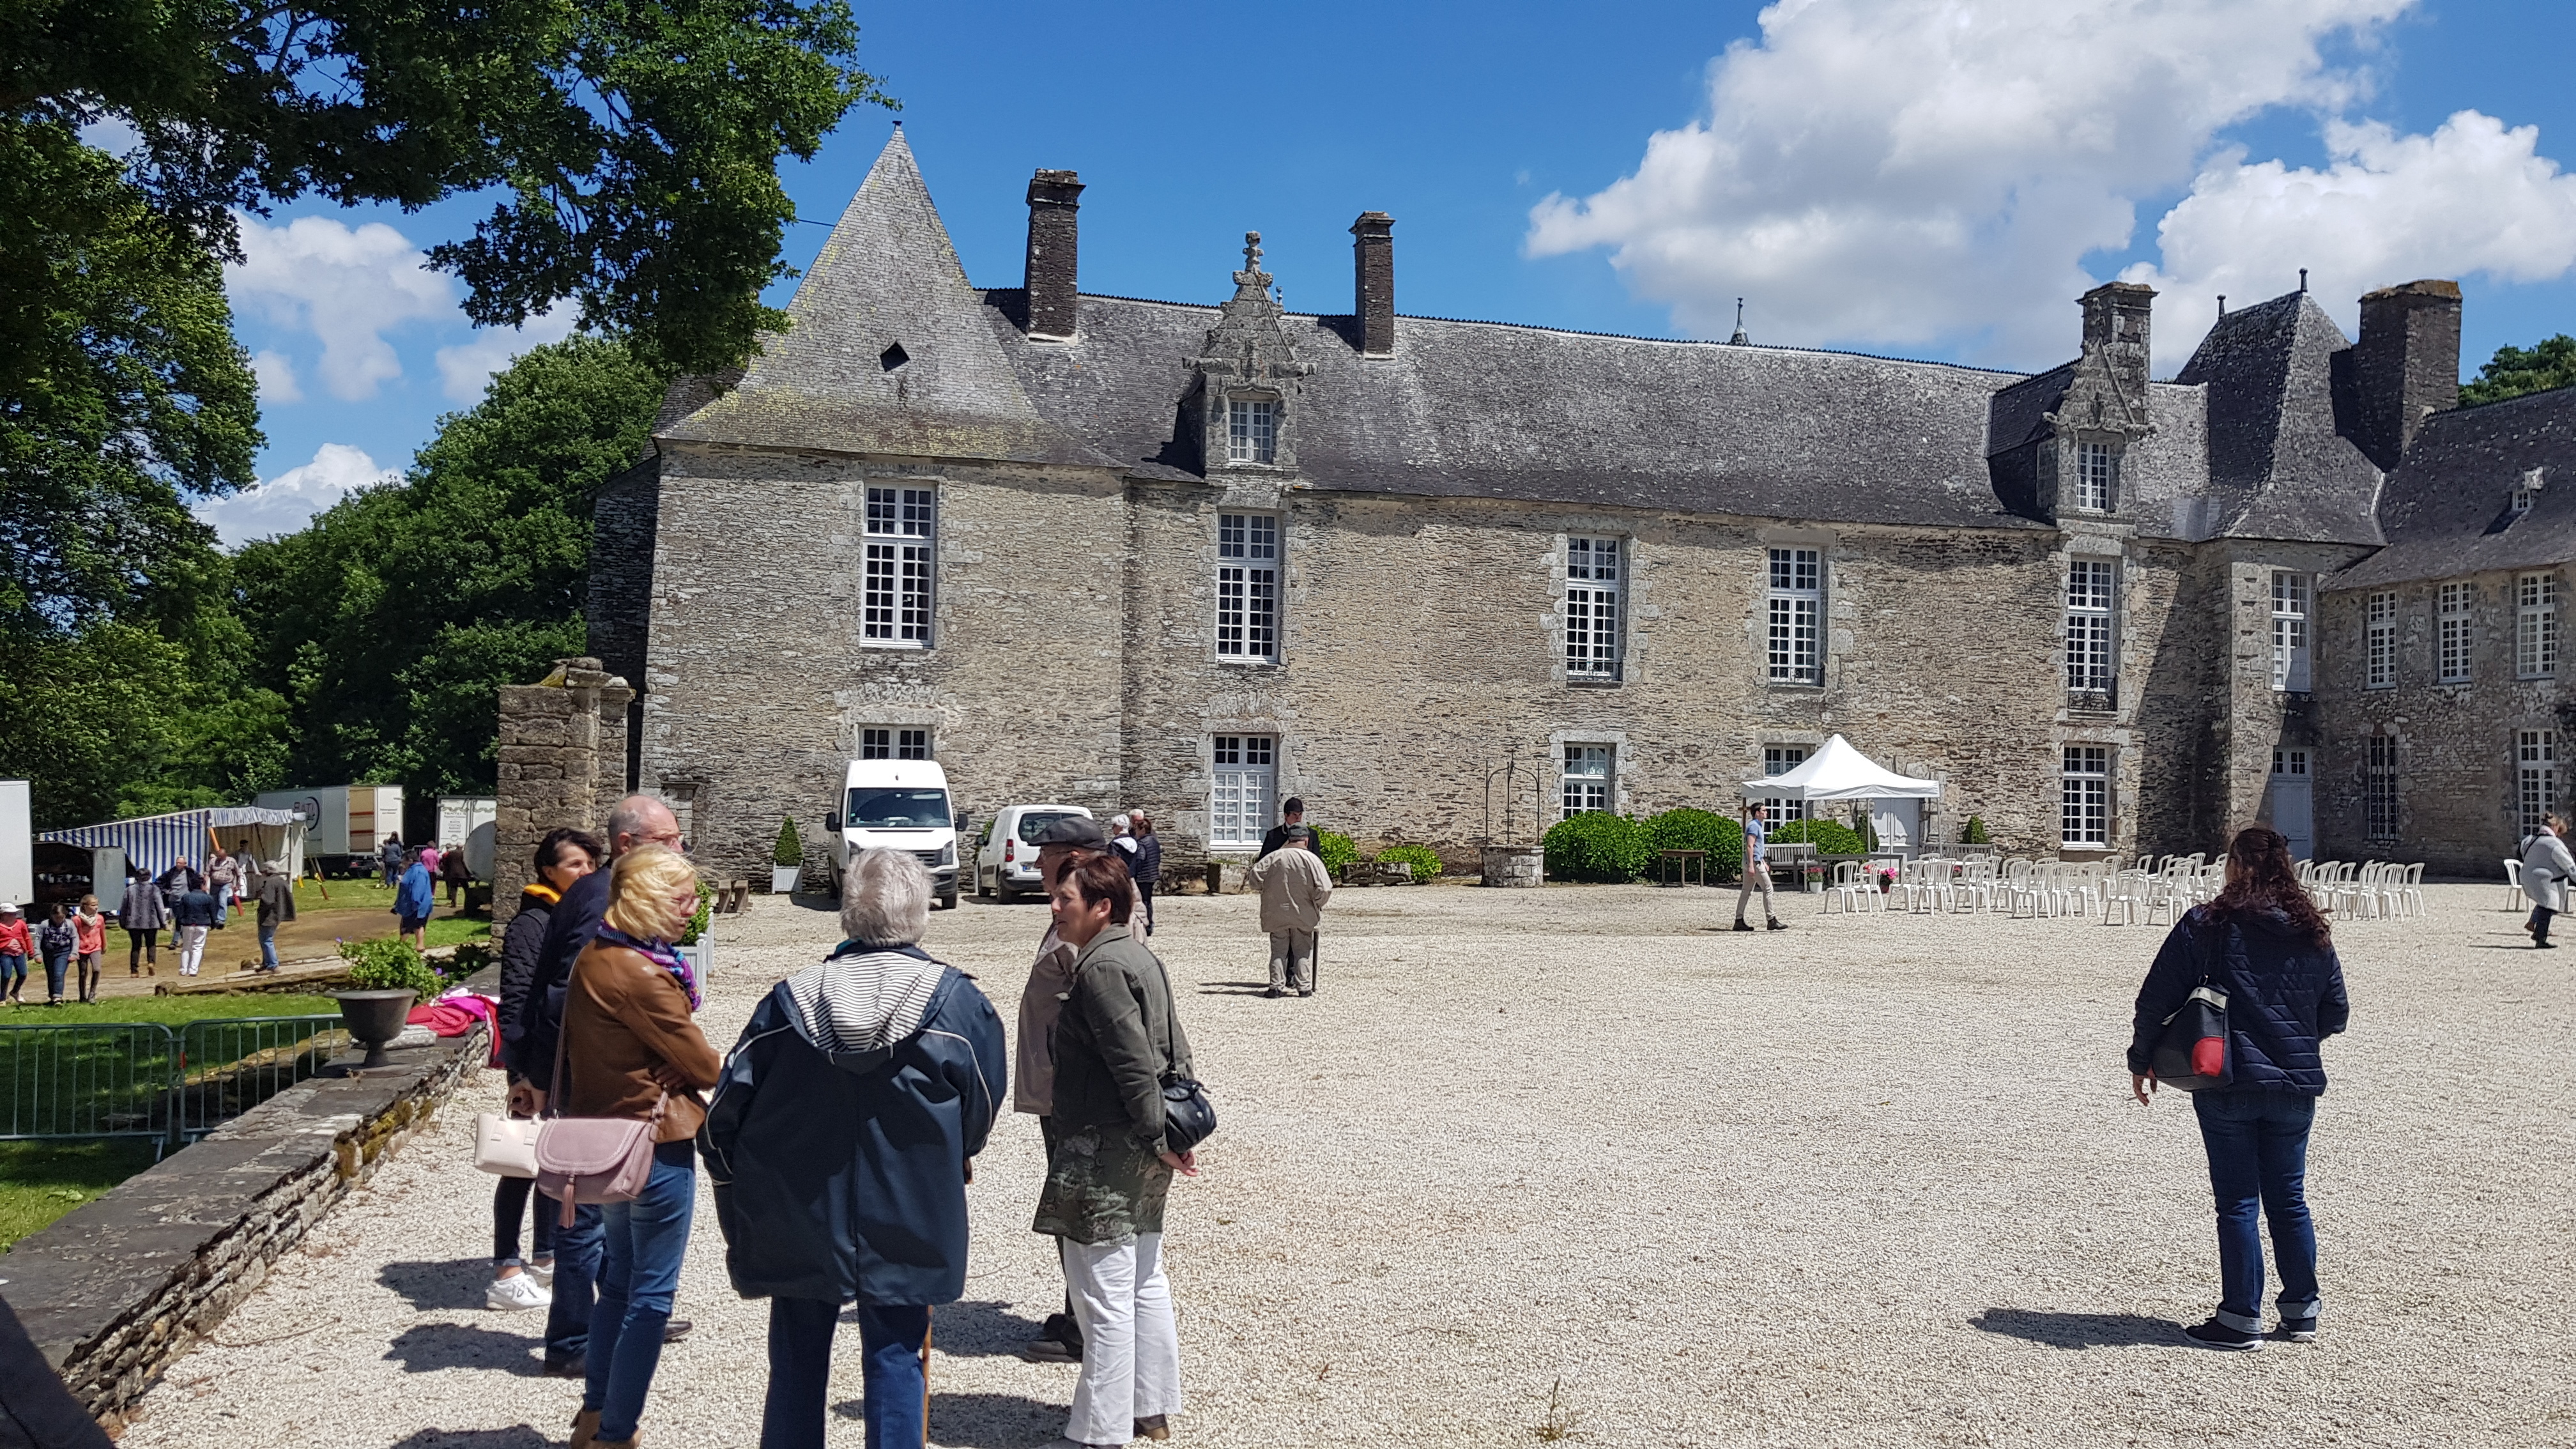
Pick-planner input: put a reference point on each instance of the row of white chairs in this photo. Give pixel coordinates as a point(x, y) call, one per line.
point(2369, 890)
point(2155, 890)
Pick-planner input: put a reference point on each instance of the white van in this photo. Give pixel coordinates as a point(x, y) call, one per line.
point(1006, 855)
point(900, 805)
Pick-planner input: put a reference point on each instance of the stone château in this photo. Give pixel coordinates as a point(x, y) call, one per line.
point(1195, 559)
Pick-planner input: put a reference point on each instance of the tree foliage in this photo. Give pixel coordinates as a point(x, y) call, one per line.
point(2514, 371)
point(634, 143)
point(390, 620)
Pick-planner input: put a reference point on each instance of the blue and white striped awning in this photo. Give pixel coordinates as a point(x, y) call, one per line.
point(155, 842)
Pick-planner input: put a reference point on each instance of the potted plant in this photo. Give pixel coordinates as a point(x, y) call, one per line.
point(697, 943)
point(787, 860)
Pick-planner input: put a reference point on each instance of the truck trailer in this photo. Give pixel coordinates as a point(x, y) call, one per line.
point(344, 825)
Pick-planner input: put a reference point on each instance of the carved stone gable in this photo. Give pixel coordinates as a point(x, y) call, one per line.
point(1246, 358)
point(2095, 401)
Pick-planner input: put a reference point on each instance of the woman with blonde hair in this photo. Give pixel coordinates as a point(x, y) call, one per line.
point(631, 1048)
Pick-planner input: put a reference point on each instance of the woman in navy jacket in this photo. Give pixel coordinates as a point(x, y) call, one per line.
point(2263, 944)
point(840, 1140)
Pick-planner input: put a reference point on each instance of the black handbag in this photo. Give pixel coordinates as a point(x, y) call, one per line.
point(1188, 1115)
point(2193, 1054)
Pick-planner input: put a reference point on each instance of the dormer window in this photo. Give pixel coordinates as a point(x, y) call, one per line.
point(2097, 477)
point(2526, 492)
point(1251, 430)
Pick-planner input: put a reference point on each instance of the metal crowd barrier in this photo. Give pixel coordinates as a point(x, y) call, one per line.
point(143, 1079)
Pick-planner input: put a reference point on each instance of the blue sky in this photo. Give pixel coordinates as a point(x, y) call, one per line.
point(1919, 177)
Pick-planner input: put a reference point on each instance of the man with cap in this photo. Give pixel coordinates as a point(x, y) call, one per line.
point(1294, 887)
point(1033, 1073)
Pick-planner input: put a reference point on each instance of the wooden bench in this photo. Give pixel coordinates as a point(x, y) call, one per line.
point(1666, 860)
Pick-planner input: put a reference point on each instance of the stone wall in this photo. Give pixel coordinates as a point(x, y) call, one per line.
point(119, 1289)
point(562, 762)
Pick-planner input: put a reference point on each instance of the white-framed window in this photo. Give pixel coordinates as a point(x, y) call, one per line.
point(1592, 609)
point(2535, 626)
point(1797, 652)
point(1251, 430)
point(2289, 631)
point(2089, 592)
point(1586, 783)
point(2084, 815)
point(2526, 492)
point(2451, 615)
point(1780, 760)
point(2379, 787)
point(2379, 639)
point(2536, 776)
point(1245, 782)
point(1247, 586)
point(2097, 477)
point(890, 742)
point(901, 532)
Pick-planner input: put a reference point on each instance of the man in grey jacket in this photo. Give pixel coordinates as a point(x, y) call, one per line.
point(1294, 887)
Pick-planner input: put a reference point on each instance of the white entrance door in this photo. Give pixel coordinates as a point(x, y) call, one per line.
point(2293, 804)
point(1898, 823)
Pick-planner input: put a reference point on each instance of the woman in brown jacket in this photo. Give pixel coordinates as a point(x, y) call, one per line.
point(632, 1049)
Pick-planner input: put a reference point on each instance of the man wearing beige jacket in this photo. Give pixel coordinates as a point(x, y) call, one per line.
point(1294, 887)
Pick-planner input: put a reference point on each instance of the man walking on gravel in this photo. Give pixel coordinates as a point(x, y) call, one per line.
point(1757, 870)
point(638, 820)
point(1293, 888)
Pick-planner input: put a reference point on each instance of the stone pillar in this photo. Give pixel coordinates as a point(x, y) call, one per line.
point(563, 762)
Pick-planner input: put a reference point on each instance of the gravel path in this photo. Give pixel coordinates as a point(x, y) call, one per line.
point(1870, 1182)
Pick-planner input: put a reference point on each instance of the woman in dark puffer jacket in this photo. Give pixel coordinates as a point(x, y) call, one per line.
point(2262, 943)
point(563, 857)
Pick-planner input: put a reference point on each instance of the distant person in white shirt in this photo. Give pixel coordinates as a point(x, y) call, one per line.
point(1757, 870)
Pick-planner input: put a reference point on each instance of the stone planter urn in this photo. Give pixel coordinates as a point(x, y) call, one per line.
point(374, 1018)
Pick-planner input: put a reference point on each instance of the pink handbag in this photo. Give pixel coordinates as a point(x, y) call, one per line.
point(593, 1159)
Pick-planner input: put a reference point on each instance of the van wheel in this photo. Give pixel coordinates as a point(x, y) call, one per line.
point(948, 902)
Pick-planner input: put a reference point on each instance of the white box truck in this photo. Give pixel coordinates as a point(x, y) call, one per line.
point(343, 824)
point(900, 805)
point(17, 844)
point(470, 823)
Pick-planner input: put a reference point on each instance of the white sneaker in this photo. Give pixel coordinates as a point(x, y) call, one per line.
point(544, 1273)
point(516, 1292)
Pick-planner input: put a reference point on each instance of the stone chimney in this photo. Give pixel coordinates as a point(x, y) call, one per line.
point(2116, 315)
point(1055, 202)
point(2407, 364)
point(1373, 281)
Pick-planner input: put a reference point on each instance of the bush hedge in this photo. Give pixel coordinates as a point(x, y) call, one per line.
point(1829, 837)
point(388, 963)
point(1337, 849)
point(1687, 829)
point(1598, 846)
point(1424, 860)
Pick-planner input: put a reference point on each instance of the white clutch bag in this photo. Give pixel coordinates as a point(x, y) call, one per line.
point(506, 1146)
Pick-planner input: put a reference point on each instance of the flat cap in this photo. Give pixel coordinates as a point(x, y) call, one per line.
point(1075, 830)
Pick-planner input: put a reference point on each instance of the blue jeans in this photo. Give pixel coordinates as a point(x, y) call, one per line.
point(55, 966)
point(800, 1365)
point(576, 1277)
point(268, 945)
point(223, 905)
point(640, 1244)
point(13, 972)
point(2258, 1158)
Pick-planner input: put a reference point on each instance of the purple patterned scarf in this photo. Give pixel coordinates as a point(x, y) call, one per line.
point(656, 951)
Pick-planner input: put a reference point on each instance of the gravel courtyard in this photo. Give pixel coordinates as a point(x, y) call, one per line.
point(1578, 1164)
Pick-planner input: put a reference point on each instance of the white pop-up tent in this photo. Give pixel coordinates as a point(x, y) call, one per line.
point(1836, 771)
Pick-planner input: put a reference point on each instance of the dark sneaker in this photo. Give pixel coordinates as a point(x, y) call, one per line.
point(1272, 993)
point(1059, 1340)
point(1779, 925)
point(1153, 1426)
point(2217, 1335)
point(1742, 927)
point(2299, 1330)
point(567, 1366)
point(2546, 945)
point(673, 1330)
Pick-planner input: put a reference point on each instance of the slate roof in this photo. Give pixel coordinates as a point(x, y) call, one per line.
point(2445, 507)
point(2246, 441)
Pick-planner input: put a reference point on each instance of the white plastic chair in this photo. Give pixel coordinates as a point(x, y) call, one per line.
point(2513, 896)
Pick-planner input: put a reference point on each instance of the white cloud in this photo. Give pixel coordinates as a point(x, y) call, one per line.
point(1932, 173)
point(347, 285)
point(275, 372)
point(2471, 197)
point(283, 503)
point(465, 368)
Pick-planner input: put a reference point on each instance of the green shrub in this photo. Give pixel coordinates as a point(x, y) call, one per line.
point(1597, 846)
point(1336, 849)
point(789, 850)
point(706, 908)
point(469, 958)
point(1829, 837)
point(1424, 860)
point(1688, 829)
point(1975, 833)
point(389, 963)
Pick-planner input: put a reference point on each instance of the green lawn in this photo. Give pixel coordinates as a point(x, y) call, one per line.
point(171, 1010)
point(41, 1181)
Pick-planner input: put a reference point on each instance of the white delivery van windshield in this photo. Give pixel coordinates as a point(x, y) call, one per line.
point(896, 807)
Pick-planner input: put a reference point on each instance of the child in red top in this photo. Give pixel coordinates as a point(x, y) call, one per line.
point(89, 944)
point(15, 948)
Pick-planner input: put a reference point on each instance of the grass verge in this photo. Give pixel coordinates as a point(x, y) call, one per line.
point(41, 1181)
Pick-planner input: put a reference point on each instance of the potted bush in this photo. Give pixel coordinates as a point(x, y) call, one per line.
point(786, 860)
point(697, 943)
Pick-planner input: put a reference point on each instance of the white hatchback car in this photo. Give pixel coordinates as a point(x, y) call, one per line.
point(1006, 854)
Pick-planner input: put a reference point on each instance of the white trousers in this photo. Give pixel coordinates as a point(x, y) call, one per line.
point(1131, 1348)
point(192, 948)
